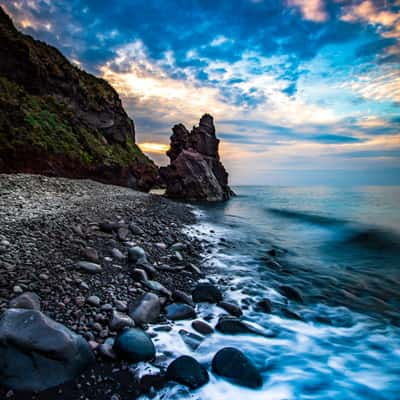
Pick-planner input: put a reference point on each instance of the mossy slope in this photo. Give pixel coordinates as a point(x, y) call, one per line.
point(57, 119)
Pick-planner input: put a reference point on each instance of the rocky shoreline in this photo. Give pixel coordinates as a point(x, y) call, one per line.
point(51, 227)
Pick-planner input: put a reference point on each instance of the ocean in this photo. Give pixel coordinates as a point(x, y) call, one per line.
point(340, 248)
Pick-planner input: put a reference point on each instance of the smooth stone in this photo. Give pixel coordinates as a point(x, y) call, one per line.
point(264, 305)
point(178, 256)
point(145, 309)
point(192, 268)
point(136, 254)
point(121, 305)
point(135, 229)
point(123, 234)
point(232, 325)
point(109, 227)
point(291, 293)
point(93, 301)
point(234, 365)
point(191, 339)
point(88, 266)
point(27, 300)
point(134, 345)
point(140, 275)
point(181, 296)
point(157, 287)
point(202, 327)
point(116, 253)
point(177, 246)
point(187, 371)
point(205, 292)
point(90, 254)
point(38, 353)
point(178, 311)
point(17, 289)
point(120, 321)
point(106, 349)
point(232, 309)
point(106, 307)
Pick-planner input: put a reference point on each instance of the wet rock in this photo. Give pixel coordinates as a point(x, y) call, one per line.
point(182, 297)
point(134, 345)
point(264, 305)
point(232, 325)
point(109, 227)
point(291, 314)
point(136, 254)
point(178, 311)
point(291, 293)
point(38, 353)
point(202, 327)
point(17, 289)
point(121, 305)
point(89, 266)
point(205, 292)
point(235, 366)
point(135, 229)
point(120, 321)
point(146, 309)
point(27, 300)
point(187, 371)
point(191, 339)
point(232, 309)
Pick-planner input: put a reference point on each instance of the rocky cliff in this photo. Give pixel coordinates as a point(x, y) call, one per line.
point(56, 119)
point(195, 171)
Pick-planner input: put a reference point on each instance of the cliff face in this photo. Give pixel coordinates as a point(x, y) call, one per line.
point(196, 172)
point(59, 120)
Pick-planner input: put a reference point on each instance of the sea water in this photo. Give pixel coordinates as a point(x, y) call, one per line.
point(340, 248)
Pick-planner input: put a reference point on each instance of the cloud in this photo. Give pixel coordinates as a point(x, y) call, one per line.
point(312, 10)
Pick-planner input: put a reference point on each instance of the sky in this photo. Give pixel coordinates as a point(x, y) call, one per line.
point(302, 91)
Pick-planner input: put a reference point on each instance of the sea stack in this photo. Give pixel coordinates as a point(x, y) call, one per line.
point(195, 172)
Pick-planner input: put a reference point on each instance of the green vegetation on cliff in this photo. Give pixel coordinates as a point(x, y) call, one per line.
point(58, 119)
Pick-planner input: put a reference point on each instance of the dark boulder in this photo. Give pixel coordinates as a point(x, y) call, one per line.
point(264, 305)
point(187, 371)
point(178, 311)
point(205, 292)
point(232, 325)
point(38, 353)
point(235, 366)
point(202, 327)
point(134, 345)
point(232, 309)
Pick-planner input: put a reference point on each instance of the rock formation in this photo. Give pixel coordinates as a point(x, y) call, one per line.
point(195, 171)
point(56, 119)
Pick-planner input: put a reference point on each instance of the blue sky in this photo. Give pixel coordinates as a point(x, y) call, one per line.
point(302, 91)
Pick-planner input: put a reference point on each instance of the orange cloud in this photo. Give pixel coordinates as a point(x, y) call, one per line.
point(150, 147)
point(312, 10)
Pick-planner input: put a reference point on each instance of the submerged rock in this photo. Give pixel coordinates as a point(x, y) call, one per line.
point(134, 345)
point(206, 292)
point(291, 293)
point(195, 171)
point(264, 305)
point(187, 371)
point(38, 353)
point(232, 325)
point(145, 309)
point(178, 311)
point(234, 365)
point(232, 309)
